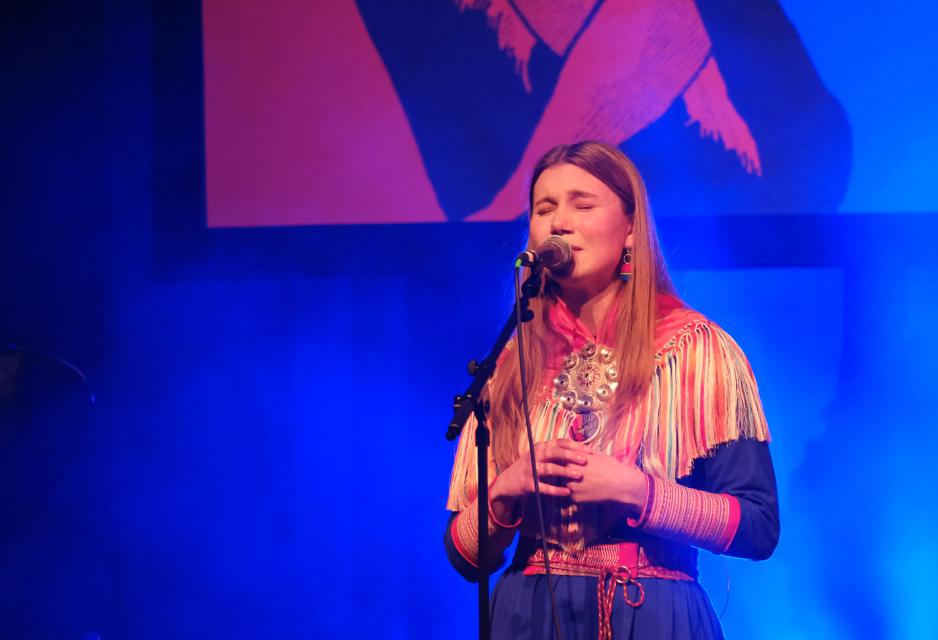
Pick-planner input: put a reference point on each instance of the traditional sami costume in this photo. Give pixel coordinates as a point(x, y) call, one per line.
point(700, 435)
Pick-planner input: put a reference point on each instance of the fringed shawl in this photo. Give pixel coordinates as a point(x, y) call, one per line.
point(702, 394)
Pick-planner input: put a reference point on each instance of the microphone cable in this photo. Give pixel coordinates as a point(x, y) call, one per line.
point(530, 434)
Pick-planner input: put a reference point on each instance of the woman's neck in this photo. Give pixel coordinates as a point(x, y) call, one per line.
point(590, 307)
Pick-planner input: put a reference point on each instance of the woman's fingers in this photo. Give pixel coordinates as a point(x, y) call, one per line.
point(573, 445)
point(561, 452)
point(553, 470)
point(561, 460)
point(552, 490)
point(552, 478)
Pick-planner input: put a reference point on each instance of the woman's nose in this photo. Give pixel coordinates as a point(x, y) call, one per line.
point(561, 222)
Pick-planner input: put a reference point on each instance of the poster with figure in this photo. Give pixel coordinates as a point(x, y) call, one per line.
point(372, 112)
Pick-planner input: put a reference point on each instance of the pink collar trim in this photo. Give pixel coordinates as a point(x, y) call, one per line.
point(568, 333)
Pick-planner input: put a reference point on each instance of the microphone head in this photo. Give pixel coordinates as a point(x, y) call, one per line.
point(556, 255)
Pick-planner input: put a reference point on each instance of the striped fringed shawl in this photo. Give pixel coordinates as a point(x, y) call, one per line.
point(703, 394)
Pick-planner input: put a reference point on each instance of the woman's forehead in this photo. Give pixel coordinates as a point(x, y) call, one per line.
point(568, 179)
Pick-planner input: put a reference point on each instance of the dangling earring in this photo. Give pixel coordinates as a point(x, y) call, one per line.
point(625, 268)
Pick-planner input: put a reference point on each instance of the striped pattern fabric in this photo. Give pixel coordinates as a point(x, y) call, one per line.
point(702, 394)
point(685, 515)
point(465, 534)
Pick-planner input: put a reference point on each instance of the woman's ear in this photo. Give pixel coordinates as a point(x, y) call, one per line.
point(629, 232)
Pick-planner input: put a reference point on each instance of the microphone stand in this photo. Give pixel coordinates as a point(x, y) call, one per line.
point(469, 402)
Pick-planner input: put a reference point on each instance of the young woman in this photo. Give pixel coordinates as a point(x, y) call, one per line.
point(650, 436)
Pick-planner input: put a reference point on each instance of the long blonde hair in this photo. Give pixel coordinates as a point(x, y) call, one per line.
point(635, 302)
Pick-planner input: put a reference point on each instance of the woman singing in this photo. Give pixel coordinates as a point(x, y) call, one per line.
point(650, 436)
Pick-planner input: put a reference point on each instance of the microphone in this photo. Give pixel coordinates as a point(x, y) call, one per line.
point(554, 254)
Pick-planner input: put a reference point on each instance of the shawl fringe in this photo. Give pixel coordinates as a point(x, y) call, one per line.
point(703, 394)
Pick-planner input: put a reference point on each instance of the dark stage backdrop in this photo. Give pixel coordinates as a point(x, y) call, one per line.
point(265, 453)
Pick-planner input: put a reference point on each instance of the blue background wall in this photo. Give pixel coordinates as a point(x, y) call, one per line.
point(266, 453)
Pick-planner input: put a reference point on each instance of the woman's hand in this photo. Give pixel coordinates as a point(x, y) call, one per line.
point(559, 462)
point(606, 479)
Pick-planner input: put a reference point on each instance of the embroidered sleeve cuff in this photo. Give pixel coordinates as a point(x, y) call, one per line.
point(460, 533)
point(699, 518)
point(494, 518)
point(649, 496)
point(465, 534)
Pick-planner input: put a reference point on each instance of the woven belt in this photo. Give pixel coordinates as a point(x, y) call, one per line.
point(612, 564)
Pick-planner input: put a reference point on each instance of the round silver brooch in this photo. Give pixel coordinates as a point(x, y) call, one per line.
point(584, 385)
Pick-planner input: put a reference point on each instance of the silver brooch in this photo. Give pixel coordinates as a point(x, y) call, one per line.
point(586, 383)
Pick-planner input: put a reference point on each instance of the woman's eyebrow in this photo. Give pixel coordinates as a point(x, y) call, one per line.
point(576, 193)
point(547, 199)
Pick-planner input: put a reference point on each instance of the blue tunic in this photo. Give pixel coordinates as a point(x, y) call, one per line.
point(672, 609)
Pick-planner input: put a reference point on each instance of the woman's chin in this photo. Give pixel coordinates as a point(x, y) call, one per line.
point(582, 283)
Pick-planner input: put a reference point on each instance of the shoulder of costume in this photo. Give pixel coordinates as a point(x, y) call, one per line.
point(678, 325)
point(674, 323)
point(712, 395)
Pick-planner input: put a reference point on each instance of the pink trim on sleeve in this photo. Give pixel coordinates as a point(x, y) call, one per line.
point(458, 543)
point(646, 508)
point(465, 534)
point(699, 518)
point(732, 524)
point(499, 523)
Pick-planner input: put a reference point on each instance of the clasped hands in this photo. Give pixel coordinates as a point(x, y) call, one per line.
point(567, 468)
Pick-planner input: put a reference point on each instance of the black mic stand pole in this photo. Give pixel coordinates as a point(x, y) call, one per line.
point(469, 402)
